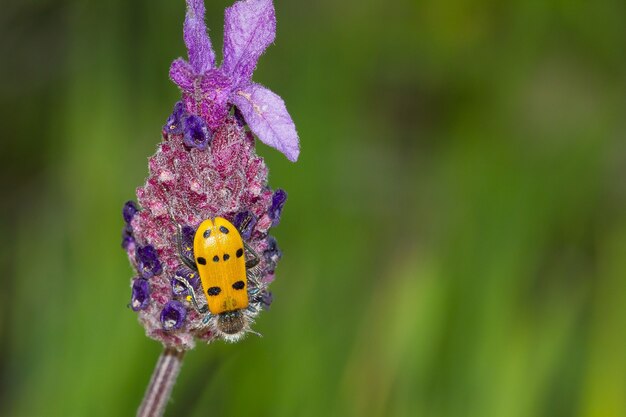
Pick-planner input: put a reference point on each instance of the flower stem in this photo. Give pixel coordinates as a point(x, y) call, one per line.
point(161, 384)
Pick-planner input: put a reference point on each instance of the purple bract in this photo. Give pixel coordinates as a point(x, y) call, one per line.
point(249, 28)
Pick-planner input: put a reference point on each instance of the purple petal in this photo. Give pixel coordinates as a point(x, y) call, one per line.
point(275, 210)
point(139, 298)
point(249, 28)
point(127, 236)
point(182, 74)
point(173, 315)
point(268, 118)
point(174, 123)
point(127, 241)
point(199, 49)
point(129, 211)
point(197, 134)
point(148, 261)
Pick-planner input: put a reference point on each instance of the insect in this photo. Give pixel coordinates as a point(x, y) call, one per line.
point(228, 280)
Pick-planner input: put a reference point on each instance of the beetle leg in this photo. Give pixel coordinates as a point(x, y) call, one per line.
point(253, 278)
point(251, 263)
point(244, 225)
point(190, 263)
point(200, 309)
point(206, 318)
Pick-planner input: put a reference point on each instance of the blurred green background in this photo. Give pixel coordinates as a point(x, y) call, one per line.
point(454, 239)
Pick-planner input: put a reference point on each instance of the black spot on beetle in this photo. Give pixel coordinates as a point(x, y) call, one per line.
point(216, 258)
point(239, 252)
point(224, 230)
point(201, 261)
point(239, 285)
point(214, 291)
point(207, 233)
point(226, 256)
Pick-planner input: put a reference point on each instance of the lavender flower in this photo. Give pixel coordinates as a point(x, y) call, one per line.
point(147, 261)
point(127, 237)
point(249, 28)
point(196, 133)
point(278, 201)
point(174, 123)
point(206, 167)
point(140, 294)
point(173, 315)
point(129, 211)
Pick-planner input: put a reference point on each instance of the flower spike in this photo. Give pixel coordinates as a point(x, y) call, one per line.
point(199, 237)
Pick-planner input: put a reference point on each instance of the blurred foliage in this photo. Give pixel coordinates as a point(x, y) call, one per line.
point(455, 236)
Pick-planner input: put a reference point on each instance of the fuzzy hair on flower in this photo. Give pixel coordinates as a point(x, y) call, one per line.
point(206, 168)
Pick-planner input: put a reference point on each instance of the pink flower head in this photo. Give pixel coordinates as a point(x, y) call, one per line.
point(208, 91)
point(207, 167)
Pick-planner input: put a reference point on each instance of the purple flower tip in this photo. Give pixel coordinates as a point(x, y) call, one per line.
point(197, 134)
point(140, 296)
point(245, 222)
point(147, 261)
point(127, 236)
point(129, 211)
point(278, 201)
point(173, 315)
point(174, 124)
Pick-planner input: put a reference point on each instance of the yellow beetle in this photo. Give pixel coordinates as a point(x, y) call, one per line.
point(220, 260)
